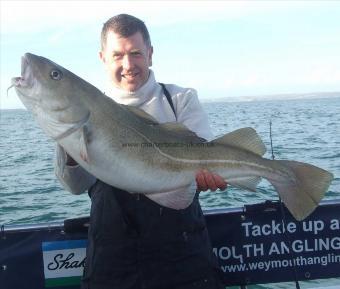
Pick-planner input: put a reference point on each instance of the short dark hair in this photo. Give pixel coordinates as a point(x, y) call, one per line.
point(124, 25)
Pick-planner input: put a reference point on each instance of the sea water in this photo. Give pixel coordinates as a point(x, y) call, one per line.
point(306, 130)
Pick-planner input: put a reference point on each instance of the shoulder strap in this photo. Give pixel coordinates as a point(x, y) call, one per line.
point(168, 97)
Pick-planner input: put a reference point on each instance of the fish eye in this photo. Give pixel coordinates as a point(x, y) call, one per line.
point(56, 74)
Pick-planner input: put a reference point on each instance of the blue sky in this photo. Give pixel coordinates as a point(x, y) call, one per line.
point(222, 48)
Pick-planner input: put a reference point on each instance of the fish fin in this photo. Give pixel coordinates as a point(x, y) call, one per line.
point(178, 128)
point(83, 142)
point(177, 199)
point(246, 183)
point(141, 114)
point(60, 160)
point(245, 138)
point(181, 130)
point(302, 195)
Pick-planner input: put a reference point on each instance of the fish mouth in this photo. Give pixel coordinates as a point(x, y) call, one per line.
point(26, 79)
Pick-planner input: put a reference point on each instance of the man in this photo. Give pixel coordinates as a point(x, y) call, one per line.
point(133, 241)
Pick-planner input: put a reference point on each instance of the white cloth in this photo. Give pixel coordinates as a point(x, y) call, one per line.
point(151, 99)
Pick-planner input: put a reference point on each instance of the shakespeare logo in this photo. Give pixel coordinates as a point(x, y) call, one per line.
point(64, 262)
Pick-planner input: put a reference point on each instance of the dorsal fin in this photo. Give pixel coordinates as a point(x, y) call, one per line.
point(147, 118)
point(173, 127)
point(245, 138)
point(181, 130)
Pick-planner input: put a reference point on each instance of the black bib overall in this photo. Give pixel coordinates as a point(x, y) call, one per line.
point(135, 243)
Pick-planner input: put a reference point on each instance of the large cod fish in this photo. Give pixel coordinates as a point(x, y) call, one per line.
point(126, 148)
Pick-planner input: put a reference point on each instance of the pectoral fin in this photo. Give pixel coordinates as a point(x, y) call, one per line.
point(83, 143)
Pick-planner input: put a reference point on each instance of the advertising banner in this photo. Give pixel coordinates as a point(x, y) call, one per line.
point(64, 262)
point(255, 244)
point(264, 244)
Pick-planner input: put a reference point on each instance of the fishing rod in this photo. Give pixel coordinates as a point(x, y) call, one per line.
point(283, 214)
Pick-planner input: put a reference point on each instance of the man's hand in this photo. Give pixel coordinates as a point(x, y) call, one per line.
point(208, 181)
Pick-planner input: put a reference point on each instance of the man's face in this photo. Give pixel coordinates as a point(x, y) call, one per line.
point(127, 60)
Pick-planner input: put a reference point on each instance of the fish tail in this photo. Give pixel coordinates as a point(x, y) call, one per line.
point(303, 194)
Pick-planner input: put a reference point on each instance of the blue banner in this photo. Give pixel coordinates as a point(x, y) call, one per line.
point(256, 244)
point(264, 244)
